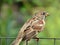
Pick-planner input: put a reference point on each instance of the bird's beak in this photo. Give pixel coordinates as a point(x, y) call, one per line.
point(47, 14)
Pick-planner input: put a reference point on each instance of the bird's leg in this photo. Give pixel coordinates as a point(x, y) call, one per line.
point(36, 38)
point(26, 42)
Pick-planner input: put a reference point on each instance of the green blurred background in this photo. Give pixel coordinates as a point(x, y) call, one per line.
point(14, 13)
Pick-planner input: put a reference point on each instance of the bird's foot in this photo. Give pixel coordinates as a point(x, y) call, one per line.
point(36, 38)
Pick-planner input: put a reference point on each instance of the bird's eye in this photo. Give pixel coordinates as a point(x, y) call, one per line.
point(43, 13)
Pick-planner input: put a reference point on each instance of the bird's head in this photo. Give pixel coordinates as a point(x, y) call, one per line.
point(41, 14)
point(44, 14)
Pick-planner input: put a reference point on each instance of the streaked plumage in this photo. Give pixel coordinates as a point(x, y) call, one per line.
point(31, 28)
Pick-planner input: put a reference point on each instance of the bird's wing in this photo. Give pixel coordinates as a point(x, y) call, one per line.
point(21, 33)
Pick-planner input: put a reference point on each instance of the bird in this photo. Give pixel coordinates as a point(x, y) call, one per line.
point(31, 28)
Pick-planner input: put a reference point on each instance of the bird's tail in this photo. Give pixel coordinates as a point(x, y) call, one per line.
point(17, 41)
point(19, 38)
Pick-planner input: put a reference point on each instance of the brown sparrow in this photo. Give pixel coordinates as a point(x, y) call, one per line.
point(31, 28)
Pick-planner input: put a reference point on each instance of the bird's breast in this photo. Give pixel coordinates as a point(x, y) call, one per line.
point(38, 25)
